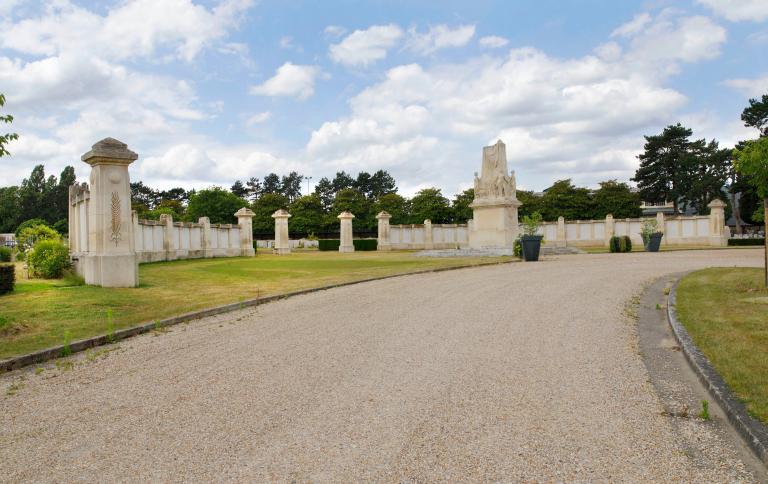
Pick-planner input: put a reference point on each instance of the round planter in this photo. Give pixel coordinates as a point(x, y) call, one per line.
point(654, 242)
point(531, 247)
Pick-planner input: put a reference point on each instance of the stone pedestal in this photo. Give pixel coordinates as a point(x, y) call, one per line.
point(111, 260)
point(494, 222)
point(282, 245)
point(345, 226)
point(245, 222)
point(610, 229)
point(429, 243)
point(561, 234)
point(205, 239)
point(717, 230)
point(383, 242)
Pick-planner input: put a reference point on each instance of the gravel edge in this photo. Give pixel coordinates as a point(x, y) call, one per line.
point(54, 352)
point(754, 433)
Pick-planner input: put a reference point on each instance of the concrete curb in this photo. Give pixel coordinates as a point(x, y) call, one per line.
point(84, 344)
point(754, 433)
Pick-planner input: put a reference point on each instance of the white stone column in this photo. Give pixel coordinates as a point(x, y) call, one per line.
point(717, 234)
point(205, 236)
point(111, 260)
point(609, 229)
point(169, 246)
point(661, 225)
point(245, 222)
point(345, 226)
point(383, 242)
point(428, 240)
point(282, 243)
point(561, 233)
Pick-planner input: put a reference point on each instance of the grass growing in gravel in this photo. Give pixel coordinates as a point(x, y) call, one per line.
point(726, 312)
point(43, 313)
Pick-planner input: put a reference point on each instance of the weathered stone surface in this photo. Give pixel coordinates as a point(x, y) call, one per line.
point(345, 225)
point(282, 244)
point(383, 242)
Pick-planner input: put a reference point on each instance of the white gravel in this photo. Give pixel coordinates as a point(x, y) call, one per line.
point(513, 372)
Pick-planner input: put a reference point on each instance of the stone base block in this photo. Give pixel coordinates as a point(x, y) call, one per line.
point(384, 247)
point(247, 252)
point(346, 248)
point(494, 227)
point(281, 251)
point(110, 270)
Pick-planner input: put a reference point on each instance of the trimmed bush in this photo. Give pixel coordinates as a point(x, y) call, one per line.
point(48, 259)
point(7, 278)
point(620, 244)
point(328, 244)
point(5, 254)
point(365, 244)
point(742, 242)
point(517, 249)
point(29, 223)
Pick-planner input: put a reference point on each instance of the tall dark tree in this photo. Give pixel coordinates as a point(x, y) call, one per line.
point(531, 203)
point(382, 183)
point(254, 188)
point(363, 184)
point(563, 199)
point(354, 201)
point(271, 184)
point(616, 199)
point(290, 185)
point(306, 214)
point(664, 166)
point(324, 190)
point(396, 205)
point(263, 208)
point(756, 115)
point(341, 181)
point(7, 137)
point(143, 196)
point(461, 209)
point(9, 209)
point(239, 189)
point(32, 195)
point(709, 167)
point(177, 194)
point(217, 204)
point(61, 200)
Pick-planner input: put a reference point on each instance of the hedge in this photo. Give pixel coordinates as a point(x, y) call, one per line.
point(328, 244)
point(5, 254)
point(360, 244)
point(621, 244)
point(7, 278)
point(746, 241)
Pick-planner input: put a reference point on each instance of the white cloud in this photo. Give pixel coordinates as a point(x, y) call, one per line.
point(633, 26)
point(364, 47)
point(738, 10)
point(493, 41)
point(439, 37)
point(750, 87)
point(290, 80)
point(258, 118)
point(335, 31)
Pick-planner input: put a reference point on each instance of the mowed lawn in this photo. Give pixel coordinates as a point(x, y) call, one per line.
point(725, 310)
point(42, 313)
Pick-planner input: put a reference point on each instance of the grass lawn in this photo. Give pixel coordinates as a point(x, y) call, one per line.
point(725, 310)
point(39, 313)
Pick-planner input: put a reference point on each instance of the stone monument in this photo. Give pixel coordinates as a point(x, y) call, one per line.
point(111, 259)
point(345, 226)
point(282, 244)
point(494, 225)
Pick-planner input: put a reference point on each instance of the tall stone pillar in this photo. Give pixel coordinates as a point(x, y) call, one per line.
point(169, 246)
point(561, 241)
point(661, 226)
point(282, 243)
point(345, 225)
point(718, 236)
point(205, 233)
point(245, 222)
point(111, 260)
point(428, 241)
point(610, 229)
point(383, 242)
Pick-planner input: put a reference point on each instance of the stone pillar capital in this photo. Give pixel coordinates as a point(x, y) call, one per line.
point(109, 151)
point(346, 214)
point(282, 213)
point(383, 215)
point(244, 213)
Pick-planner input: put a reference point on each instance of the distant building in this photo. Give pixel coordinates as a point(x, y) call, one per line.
point(7, 240)
point(652, 208)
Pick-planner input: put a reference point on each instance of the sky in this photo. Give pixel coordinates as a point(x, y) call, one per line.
point(207, 92)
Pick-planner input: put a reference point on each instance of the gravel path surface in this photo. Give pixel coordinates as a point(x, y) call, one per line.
point(520, 371)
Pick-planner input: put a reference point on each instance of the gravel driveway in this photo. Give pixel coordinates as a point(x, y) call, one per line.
point(520, 371)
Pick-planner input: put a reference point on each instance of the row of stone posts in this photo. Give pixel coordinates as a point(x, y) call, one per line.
point(282, 242)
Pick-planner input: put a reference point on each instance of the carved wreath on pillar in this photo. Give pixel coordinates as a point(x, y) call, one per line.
point(115, 218)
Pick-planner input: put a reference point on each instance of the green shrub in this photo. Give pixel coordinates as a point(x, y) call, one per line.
point(29, 223)
point(48, 259)
point(62, 226)
point(517, 248)
point(365, 244)
point(741, 242)
point(7, 278)
point(31, 235)
point(5, 254)
point(71, 278)
point(328, 244)
point(620, 244)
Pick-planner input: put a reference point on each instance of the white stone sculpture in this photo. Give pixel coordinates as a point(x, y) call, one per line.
point(495, 223)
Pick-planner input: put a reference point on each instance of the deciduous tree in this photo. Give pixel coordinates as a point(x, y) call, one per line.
point(752, 160)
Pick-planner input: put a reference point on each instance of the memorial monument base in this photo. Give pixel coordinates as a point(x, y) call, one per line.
point(110, 270)
point(494, 225)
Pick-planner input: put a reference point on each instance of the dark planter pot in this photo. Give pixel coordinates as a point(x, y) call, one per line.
point(531, 247)
point(654, 242)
